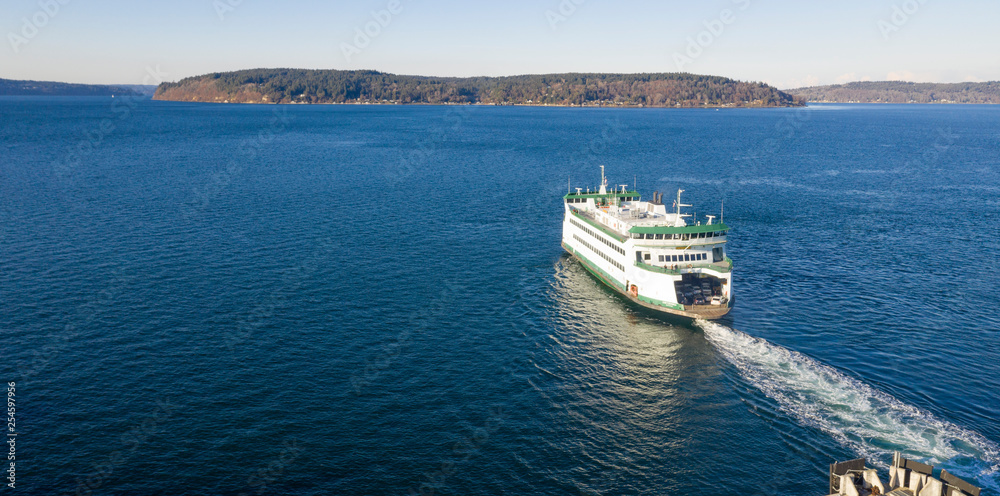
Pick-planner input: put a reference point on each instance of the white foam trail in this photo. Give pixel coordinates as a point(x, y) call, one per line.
point(857, 415)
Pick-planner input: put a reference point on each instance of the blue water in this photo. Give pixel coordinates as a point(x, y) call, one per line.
point(226, 299)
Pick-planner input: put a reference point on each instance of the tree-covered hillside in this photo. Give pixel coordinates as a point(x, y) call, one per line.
point(330, 86)
point(49, 88)
point(902, 92)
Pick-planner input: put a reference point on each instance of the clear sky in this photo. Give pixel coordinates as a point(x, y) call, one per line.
point(781, 42)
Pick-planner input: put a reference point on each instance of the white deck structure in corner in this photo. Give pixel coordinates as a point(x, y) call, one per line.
point(648, 254)
point(906, 478)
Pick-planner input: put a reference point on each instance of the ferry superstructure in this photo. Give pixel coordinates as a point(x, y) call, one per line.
point(906, 478)
point(648, 254)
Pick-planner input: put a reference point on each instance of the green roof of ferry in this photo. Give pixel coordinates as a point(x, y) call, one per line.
point(678, 230)
point(652, 229)
point(618, 194)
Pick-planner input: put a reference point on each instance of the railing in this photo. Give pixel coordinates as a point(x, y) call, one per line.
point(586, 218)
point(718, 267)
point(656, 268)
point(681, 242)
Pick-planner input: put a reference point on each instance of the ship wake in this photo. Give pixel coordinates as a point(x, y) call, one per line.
point(870, 422)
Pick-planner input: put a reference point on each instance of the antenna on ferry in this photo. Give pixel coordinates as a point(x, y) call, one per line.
point(722, 219)
point(679, 205)
point(604, 183)
point(710, 219)
point(569, 184)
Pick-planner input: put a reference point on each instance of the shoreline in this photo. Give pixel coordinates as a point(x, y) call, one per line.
point(726, 106)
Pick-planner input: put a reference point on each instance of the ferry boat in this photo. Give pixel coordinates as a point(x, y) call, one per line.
point(906, 478)
point(648, 254)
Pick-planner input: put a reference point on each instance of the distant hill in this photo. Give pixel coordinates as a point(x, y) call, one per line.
point(14, 87)
point(143, 89)
point(331, 86)
point(901, 92)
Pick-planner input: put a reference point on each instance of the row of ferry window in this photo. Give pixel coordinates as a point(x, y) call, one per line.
point(687, 257)
point(584, 200)
point(682, 237)
point(602, 239)
point(599, 252)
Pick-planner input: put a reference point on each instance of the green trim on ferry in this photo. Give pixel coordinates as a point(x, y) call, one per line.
point(678, 230)
point(612, 194)
point(653, 268)
point(678, 244)
point(653, 301)
point(591, 266)
point(717, 267)
point(598, 225)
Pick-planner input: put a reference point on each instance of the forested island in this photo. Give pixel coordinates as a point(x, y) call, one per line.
point(901, 92)
point(50, 88)
point(372, 87)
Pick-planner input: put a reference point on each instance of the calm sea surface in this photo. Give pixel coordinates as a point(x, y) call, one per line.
point(224, 299)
